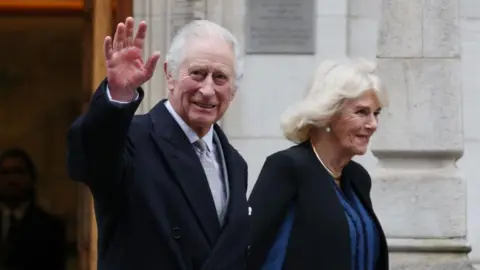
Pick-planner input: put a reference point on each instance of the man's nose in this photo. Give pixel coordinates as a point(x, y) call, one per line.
point(208, 87)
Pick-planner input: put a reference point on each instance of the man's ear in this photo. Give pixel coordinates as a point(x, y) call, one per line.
point(168, 77)
point(234, 92)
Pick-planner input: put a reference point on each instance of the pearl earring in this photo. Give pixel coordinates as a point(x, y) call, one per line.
point(327, 129)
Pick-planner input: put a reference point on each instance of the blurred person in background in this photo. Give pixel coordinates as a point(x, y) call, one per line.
point(30, 237)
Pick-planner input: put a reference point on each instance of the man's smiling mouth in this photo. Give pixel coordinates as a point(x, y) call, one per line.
point(204, 105)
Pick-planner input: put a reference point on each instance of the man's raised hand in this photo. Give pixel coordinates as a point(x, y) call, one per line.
point(126, 70)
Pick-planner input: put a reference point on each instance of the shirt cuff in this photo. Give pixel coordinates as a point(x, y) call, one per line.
point(119, 101)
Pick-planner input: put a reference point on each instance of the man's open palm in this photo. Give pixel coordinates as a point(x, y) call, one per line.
point(126, 70)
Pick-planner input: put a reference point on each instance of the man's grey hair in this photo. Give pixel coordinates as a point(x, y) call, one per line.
point(201, 29)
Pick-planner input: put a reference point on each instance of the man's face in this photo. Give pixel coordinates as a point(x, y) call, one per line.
point(205, 84)
point(14, 179)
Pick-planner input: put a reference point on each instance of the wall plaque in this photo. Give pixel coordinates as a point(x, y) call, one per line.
point(183, 12)
point(280, 26)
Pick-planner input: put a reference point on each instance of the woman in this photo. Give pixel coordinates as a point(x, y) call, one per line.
point(311, 206)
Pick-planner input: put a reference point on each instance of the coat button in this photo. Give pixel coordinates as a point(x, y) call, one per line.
point(176, 233)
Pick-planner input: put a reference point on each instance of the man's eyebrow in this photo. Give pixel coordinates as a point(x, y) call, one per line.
point(197, 66)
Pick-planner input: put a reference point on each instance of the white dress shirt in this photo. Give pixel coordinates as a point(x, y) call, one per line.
point(18, 213)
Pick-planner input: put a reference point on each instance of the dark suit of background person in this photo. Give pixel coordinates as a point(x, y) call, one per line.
point(311, 207)
point(153, 203)
point(30, 238)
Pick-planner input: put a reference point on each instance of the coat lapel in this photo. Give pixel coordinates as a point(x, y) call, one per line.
point(235, 173)
point(186, 168)
point(237, 207)
point(366, 201)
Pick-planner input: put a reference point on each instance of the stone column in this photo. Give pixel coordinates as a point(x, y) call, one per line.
point(419, 193)
point(153, 13)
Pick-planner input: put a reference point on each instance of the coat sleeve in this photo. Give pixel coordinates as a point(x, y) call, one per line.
point(97, 143)
point(269, 201)
point(56, 247)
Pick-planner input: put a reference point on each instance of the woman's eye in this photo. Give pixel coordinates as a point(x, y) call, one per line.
point(363, 112)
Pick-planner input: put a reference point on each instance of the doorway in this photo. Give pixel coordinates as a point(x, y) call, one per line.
point(52, 59)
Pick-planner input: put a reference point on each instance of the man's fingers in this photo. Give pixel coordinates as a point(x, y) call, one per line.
point(140, 36)
point(129, 24)
point(152, 64)
point(107, 47)
point(119, 39)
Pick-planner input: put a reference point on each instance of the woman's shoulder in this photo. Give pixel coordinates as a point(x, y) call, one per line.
point(356, 167)
point(359, 174)
point(290, 154)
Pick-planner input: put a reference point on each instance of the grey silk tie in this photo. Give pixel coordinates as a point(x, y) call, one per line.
point(213, 176)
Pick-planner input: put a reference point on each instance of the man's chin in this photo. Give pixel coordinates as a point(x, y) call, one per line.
point(200, 124)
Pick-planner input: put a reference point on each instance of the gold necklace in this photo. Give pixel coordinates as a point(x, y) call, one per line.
point(335, 177)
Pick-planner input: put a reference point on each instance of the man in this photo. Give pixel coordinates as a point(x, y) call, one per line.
point(169, 189)
point(30, 237)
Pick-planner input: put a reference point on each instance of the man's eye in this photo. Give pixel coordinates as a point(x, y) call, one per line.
point(220, 79)
point(197, 74)
point(220, 76)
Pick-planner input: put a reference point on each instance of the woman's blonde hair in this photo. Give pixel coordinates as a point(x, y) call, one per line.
point(332, 83)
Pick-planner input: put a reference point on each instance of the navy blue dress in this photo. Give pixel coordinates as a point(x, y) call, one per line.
point(362, 230)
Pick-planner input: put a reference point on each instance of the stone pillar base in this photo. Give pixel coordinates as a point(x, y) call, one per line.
point(430, 261)
point(431, 254)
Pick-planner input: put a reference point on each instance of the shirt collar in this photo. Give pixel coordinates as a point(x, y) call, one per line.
point(191, 135)
point(18, 212)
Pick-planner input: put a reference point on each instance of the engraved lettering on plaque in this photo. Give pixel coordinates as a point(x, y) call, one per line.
point(280, 26)
point(184, 11)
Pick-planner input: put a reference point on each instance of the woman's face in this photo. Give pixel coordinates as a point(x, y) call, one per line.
point(356, 122)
